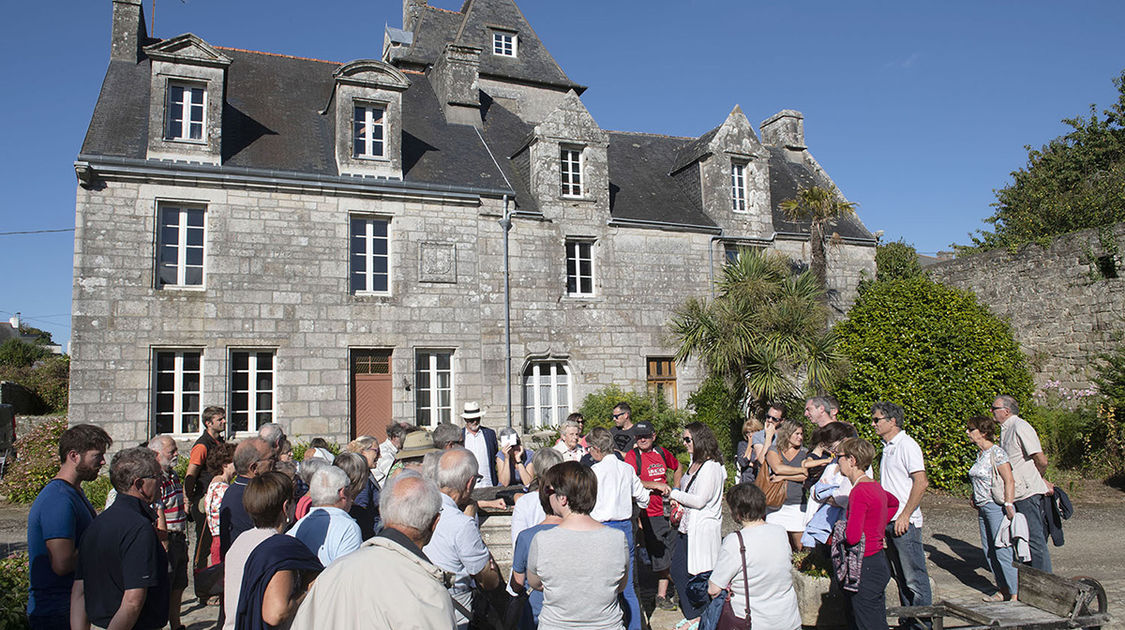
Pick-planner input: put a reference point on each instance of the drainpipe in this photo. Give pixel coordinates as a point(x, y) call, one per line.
point(711, 259)
point(506, 223)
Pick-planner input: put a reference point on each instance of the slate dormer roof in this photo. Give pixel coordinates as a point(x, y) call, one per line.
point(786, 178)
point(472, 26)
point(641, 187)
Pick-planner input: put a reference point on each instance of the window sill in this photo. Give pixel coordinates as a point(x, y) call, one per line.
point(189, 141)
point(587, 198)
point(371, 298)
point(177, 288)
point(579, 298)
point(371, 158)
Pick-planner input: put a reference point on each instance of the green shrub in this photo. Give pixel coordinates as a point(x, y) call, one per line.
point(937, 352)
point(37, 462)
point(16, 353)
point(1080, 430)
point(896, 260)
point(300, 446)
point(47, 380)
point(597, 409)
point(718, 407)
point(97, 491)
point(14, 582)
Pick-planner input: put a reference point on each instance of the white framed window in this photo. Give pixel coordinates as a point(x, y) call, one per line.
point(370, 255)
point(546, 394)
point(367, 131)
point(579, 267)
point(504, 44)
point(252, 382)
point(738, 186)
point(433, 387)
point(186, 112)
point(177, 379)
point(570, 160)
point(180, 246)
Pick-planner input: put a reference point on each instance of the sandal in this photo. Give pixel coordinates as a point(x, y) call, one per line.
point(995, 597)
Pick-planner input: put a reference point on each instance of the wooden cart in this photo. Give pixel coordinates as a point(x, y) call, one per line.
point(1046, 602)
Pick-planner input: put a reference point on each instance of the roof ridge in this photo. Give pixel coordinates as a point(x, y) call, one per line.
point(262, 52)
point(430, 6)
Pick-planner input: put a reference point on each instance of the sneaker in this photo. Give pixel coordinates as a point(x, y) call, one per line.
point(663, 603)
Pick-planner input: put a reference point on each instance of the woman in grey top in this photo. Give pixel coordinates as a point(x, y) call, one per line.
point(580, 564)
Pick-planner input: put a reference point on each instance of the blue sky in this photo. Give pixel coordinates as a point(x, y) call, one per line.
point(918, 110)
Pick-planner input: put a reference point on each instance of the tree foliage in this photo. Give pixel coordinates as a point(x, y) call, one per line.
point(597, 409)
point(764, 332)
point(717, 406)
point(820, 207)
point(937, 352)
point(1074, 182)
point(17, 353)
point(896, 260)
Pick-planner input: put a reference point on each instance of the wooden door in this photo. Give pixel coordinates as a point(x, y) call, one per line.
point(371, 392)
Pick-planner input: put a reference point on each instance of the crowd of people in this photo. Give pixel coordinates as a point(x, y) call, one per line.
point(388, 534)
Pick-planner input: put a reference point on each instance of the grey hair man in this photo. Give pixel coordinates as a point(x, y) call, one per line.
point(252, 457)
point(171, 519)
point(902, 472)
point(121, 580)
point(818, 410)
point(327, 530)
point(396, 434)
point(1020, 441)
point(407, 590)
point(447, 435)
point(457, 546)
point(272, 433)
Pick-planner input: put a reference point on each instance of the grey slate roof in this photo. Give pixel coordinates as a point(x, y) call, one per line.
point(640, 187)
point(786, 178)
point(472, 27)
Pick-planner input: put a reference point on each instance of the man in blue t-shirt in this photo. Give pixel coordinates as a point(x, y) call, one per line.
point(58, 518)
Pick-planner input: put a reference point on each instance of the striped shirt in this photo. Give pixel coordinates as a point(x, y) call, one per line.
point(171, 501)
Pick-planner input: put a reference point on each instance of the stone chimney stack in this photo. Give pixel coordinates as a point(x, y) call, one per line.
point(129, 32)
point(785, 129)
point(411, 11)
point(455, 76)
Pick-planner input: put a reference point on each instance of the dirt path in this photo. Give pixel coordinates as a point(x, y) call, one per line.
point(1095, 546)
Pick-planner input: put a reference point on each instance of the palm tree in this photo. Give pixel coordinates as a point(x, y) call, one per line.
point(820, 207)
point(764, 332)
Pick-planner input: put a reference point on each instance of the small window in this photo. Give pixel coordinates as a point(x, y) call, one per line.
point(251, 389)
point(580, 267)
point(738, 186)
point(661, 379)
point(504, 44)
point(186, 112)
point(180, 247)
point(367, 131)
point(571, 171)
point(433, 387)
point(546, 394)
point(370, 255)
point(177, 383)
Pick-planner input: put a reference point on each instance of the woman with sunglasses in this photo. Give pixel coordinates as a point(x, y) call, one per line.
point(696, 546)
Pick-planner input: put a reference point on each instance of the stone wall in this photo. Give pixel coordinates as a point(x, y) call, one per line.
point(1063, 310)
point(19, 397)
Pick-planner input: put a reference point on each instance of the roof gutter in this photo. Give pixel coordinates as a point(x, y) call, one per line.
point(664, 225)
point(850, 240)
point(87, 167)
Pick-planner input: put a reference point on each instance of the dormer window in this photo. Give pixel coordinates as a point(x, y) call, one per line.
point(187, 111)
point(738, 186)
point(367, 132)
point(504, 43)
point(570, 159)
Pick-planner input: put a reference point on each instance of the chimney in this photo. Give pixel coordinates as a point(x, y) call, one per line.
point(455, 76)
point(129, 32)
point(411, 12)
point(14, 321)
point(785, 129)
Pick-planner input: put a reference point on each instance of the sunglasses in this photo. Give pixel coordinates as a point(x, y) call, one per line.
point(618, 415)
point(687, 439)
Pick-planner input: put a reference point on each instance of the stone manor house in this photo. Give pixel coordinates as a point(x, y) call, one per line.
point(322, 244)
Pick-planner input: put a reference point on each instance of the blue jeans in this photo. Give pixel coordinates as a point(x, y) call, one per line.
point(866, 608)
point(907, 560)
point(632, 604)
point(989, 516)
point(1032, 507)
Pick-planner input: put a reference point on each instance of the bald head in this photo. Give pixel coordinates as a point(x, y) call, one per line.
point(252, 457)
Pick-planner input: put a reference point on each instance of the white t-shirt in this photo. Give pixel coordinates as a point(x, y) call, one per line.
point(901, 456)
point(479, 447)
point(618, 488)
point(773, 602)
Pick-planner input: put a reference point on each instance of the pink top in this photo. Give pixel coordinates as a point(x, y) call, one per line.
point(870, 508)
point(304, 506)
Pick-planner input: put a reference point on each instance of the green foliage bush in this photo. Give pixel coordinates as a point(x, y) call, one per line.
point(17, 353)
point(47, 378)
point(718, 407)
point(300, 446)
point(97, 491)
point(1080, 430)
point(37, 462)
point(597, 409)
point(896, 260)
point(937, 352)
point(14, 583)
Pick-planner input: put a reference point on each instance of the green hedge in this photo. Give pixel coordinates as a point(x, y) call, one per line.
point(14, 582)
point(597, 409)
point(36, 463)
point(937, 352)
point(717, 406)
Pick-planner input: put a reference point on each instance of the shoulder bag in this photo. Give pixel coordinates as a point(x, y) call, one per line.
point(997, 480)
point(727, 619)
point(774, 490)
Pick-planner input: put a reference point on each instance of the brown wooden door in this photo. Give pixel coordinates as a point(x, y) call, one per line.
point(371, 392)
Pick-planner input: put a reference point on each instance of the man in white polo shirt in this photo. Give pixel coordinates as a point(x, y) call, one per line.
point(618, 488)
point(1020, 441)
point(902, 472)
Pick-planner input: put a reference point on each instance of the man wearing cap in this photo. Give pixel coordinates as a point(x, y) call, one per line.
point(655, 465)
point(481, 441)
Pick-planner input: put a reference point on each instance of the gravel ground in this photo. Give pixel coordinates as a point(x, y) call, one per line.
point(950, 535)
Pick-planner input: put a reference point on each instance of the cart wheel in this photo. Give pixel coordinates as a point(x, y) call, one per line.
point(1099, 604)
